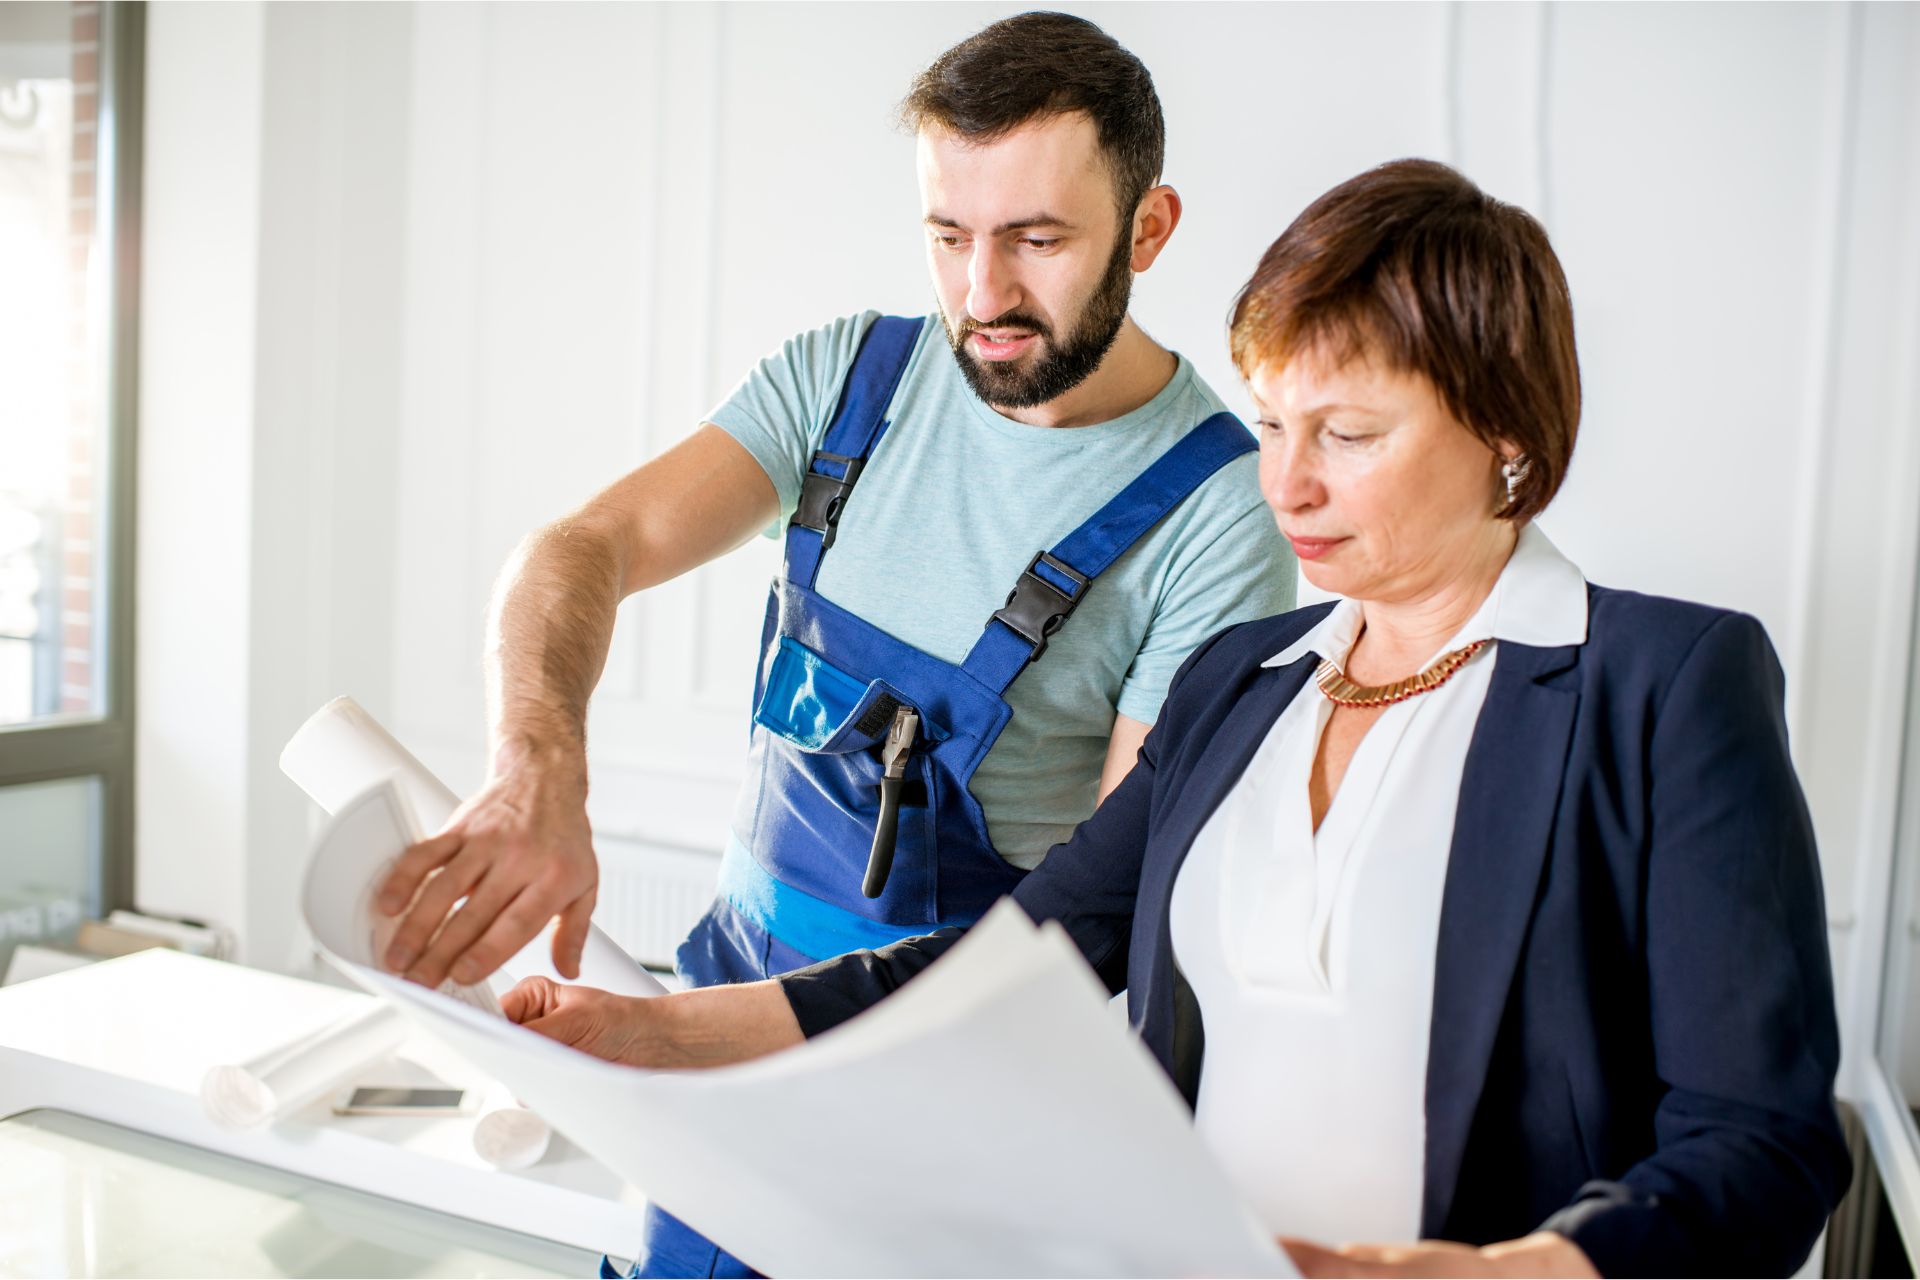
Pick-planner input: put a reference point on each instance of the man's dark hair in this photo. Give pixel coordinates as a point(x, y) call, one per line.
point(1036, 65)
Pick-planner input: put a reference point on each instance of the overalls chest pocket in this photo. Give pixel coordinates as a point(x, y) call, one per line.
point(824, 711)
point(847, 761)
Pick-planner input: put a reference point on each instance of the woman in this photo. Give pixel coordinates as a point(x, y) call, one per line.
point(1479, 907)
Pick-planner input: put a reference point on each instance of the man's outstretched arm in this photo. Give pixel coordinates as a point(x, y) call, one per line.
point(520, 851)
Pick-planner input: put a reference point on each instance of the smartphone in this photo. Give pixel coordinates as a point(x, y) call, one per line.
point(394, 1100)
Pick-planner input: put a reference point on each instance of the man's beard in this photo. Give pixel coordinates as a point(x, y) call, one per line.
point(1022, 384)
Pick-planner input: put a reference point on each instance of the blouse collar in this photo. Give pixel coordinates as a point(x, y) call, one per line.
point(1540, 599)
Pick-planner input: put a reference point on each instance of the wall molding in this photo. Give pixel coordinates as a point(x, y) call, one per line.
point(1450, 73)
point(1817, 411)
point(1543, 113)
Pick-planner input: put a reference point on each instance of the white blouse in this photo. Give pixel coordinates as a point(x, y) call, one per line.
point(1312, 954)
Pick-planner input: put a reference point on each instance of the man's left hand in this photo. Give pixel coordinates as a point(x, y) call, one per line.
point(588, 1019)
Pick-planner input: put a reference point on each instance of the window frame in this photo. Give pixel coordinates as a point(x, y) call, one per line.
point(1886, 1114)
point(102, 747)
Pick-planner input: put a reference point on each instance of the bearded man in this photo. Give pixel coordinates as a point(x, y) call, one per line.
point(1006, 526)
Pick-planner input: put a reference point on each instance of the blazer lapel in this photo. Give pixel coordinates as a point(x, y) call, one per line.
point(1225, 755)
point(1509, 793)
point(1206, 773)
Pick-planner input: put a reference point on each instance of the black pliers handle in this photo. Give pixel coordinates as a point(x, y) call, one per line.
point(893, 773)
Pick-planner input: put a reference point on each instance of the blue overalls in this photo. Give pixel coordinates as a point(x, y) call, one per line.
point(858, 736)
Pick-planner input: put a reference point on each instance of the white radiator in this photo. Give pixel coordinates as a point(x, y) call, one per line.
point(651, 895)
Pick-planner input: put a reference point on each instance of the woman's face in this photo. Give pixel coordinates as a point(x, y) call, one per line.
point(1383, 494)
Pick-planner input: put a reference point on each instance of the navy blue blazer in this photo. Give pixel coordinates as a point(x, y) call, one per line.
point(1633, 1039)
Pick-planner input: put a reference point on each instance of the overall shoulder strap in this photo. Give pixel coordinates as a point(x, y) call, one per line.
point(1057, 580)
point(856, 427)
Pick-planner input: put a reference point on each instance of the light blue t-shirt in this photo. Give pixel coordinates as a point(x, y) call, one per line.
point(954, 502)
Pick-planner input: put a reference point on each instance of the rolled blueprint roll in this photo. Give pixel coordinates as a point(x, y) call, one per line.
point(342, 750)
point(287, 1078)
point(511, 1138)
point(336, 894)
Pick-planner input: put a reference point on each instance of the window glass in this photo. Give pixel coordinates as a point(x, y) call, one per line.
point(49, 861)
point(53, 463)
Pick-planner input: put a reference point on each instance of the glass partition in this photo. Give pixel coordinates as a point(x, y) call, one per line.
point(80, 1197)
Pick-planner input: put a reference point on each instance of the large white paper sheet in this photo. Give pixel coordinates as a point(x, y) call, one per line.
point(992, 1119)
point(342, 750)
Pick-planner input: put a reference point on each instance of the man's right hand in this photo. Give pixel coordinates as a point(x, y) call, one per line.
point(520, 852)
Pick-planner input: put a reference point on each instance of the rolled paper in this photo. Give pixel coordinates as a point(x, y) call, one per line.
point(511, 1138)
point(336, 895)
point(342, 750)
point(285, 1079)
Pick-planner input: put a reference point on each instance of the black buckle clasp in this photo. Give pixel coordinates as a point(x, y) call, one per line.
point(823, 498)
point(1035, 608)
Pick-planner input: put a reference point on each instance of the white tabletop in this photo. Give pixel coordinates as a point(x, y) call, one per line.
point(128, 1040)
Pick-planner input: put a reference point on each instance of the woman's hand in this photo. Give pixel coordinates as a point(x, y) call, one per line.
point(708, 1027)
point(586, 1018)
point(1544, 1253)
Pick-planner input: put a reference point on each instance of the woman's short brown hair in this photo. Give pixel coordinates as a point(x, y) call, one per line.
point(1413, 265)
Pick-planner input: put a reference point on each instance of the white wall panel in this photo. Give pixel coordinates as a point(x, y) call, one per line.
point(1497, 91)
point(198, 284)
point(531, 253)
point(1685, 195)
point(269, 412)
point(440, 577)
point(1286, 101)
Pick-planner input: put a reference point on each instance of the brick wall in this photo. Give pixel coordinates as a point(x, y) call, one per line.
point(80, 560)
